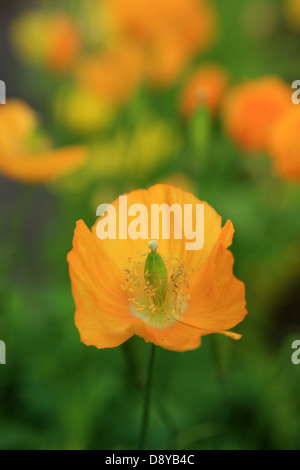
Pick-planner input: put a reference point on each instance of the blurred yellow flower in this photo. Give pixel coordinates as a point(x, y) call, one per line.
point(98, 23)
point(82, 111)
point(136, 156)
point(50, 40)
point(24, 151)
point(128, 157)
point(292, 13)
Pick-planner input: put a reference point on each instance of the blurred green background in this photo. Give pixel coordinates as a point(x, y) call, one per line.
point(56, 393)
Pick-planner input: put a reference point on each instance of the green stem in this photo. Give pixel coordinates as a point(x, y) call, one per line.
point(20, 215)
point(218, 360)
point(147, 396)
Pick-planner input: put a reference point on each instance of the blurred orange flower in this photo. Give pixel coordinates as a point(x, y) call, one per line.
point(17, 122)
point(284, 145)
point(252, 108)
point(170, 32)
point(24, 151)
point(114, 301)
point(51, 40)
point(113, 75)
point(207, 86)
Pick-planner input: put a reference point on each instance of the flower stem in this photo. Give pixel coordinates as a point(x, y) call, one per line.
point(221, 377)
point(147, 396)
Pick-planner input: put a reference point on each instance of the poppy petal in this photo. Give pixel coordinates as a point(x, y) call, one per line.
point(44, 167)
point(102, 309)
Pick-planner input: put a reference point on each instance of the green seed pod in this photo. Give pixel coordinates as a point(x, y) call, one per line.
point(156, 273)
point(200, 132)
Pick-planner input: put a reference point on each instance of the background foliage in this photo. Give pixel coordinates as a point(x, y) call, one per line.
point(57, 393)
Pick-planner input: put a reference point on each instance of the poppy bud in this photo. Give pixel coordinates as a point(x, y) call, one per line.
point(200, 130)
point(156, 274)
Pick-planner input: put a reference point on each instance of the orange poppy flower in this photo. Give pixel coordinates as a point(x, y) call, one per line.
point(252, 108)
point(196, 295)
point(170, 32)
point(206, 85)
point(284, 145)
point(24, 152)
